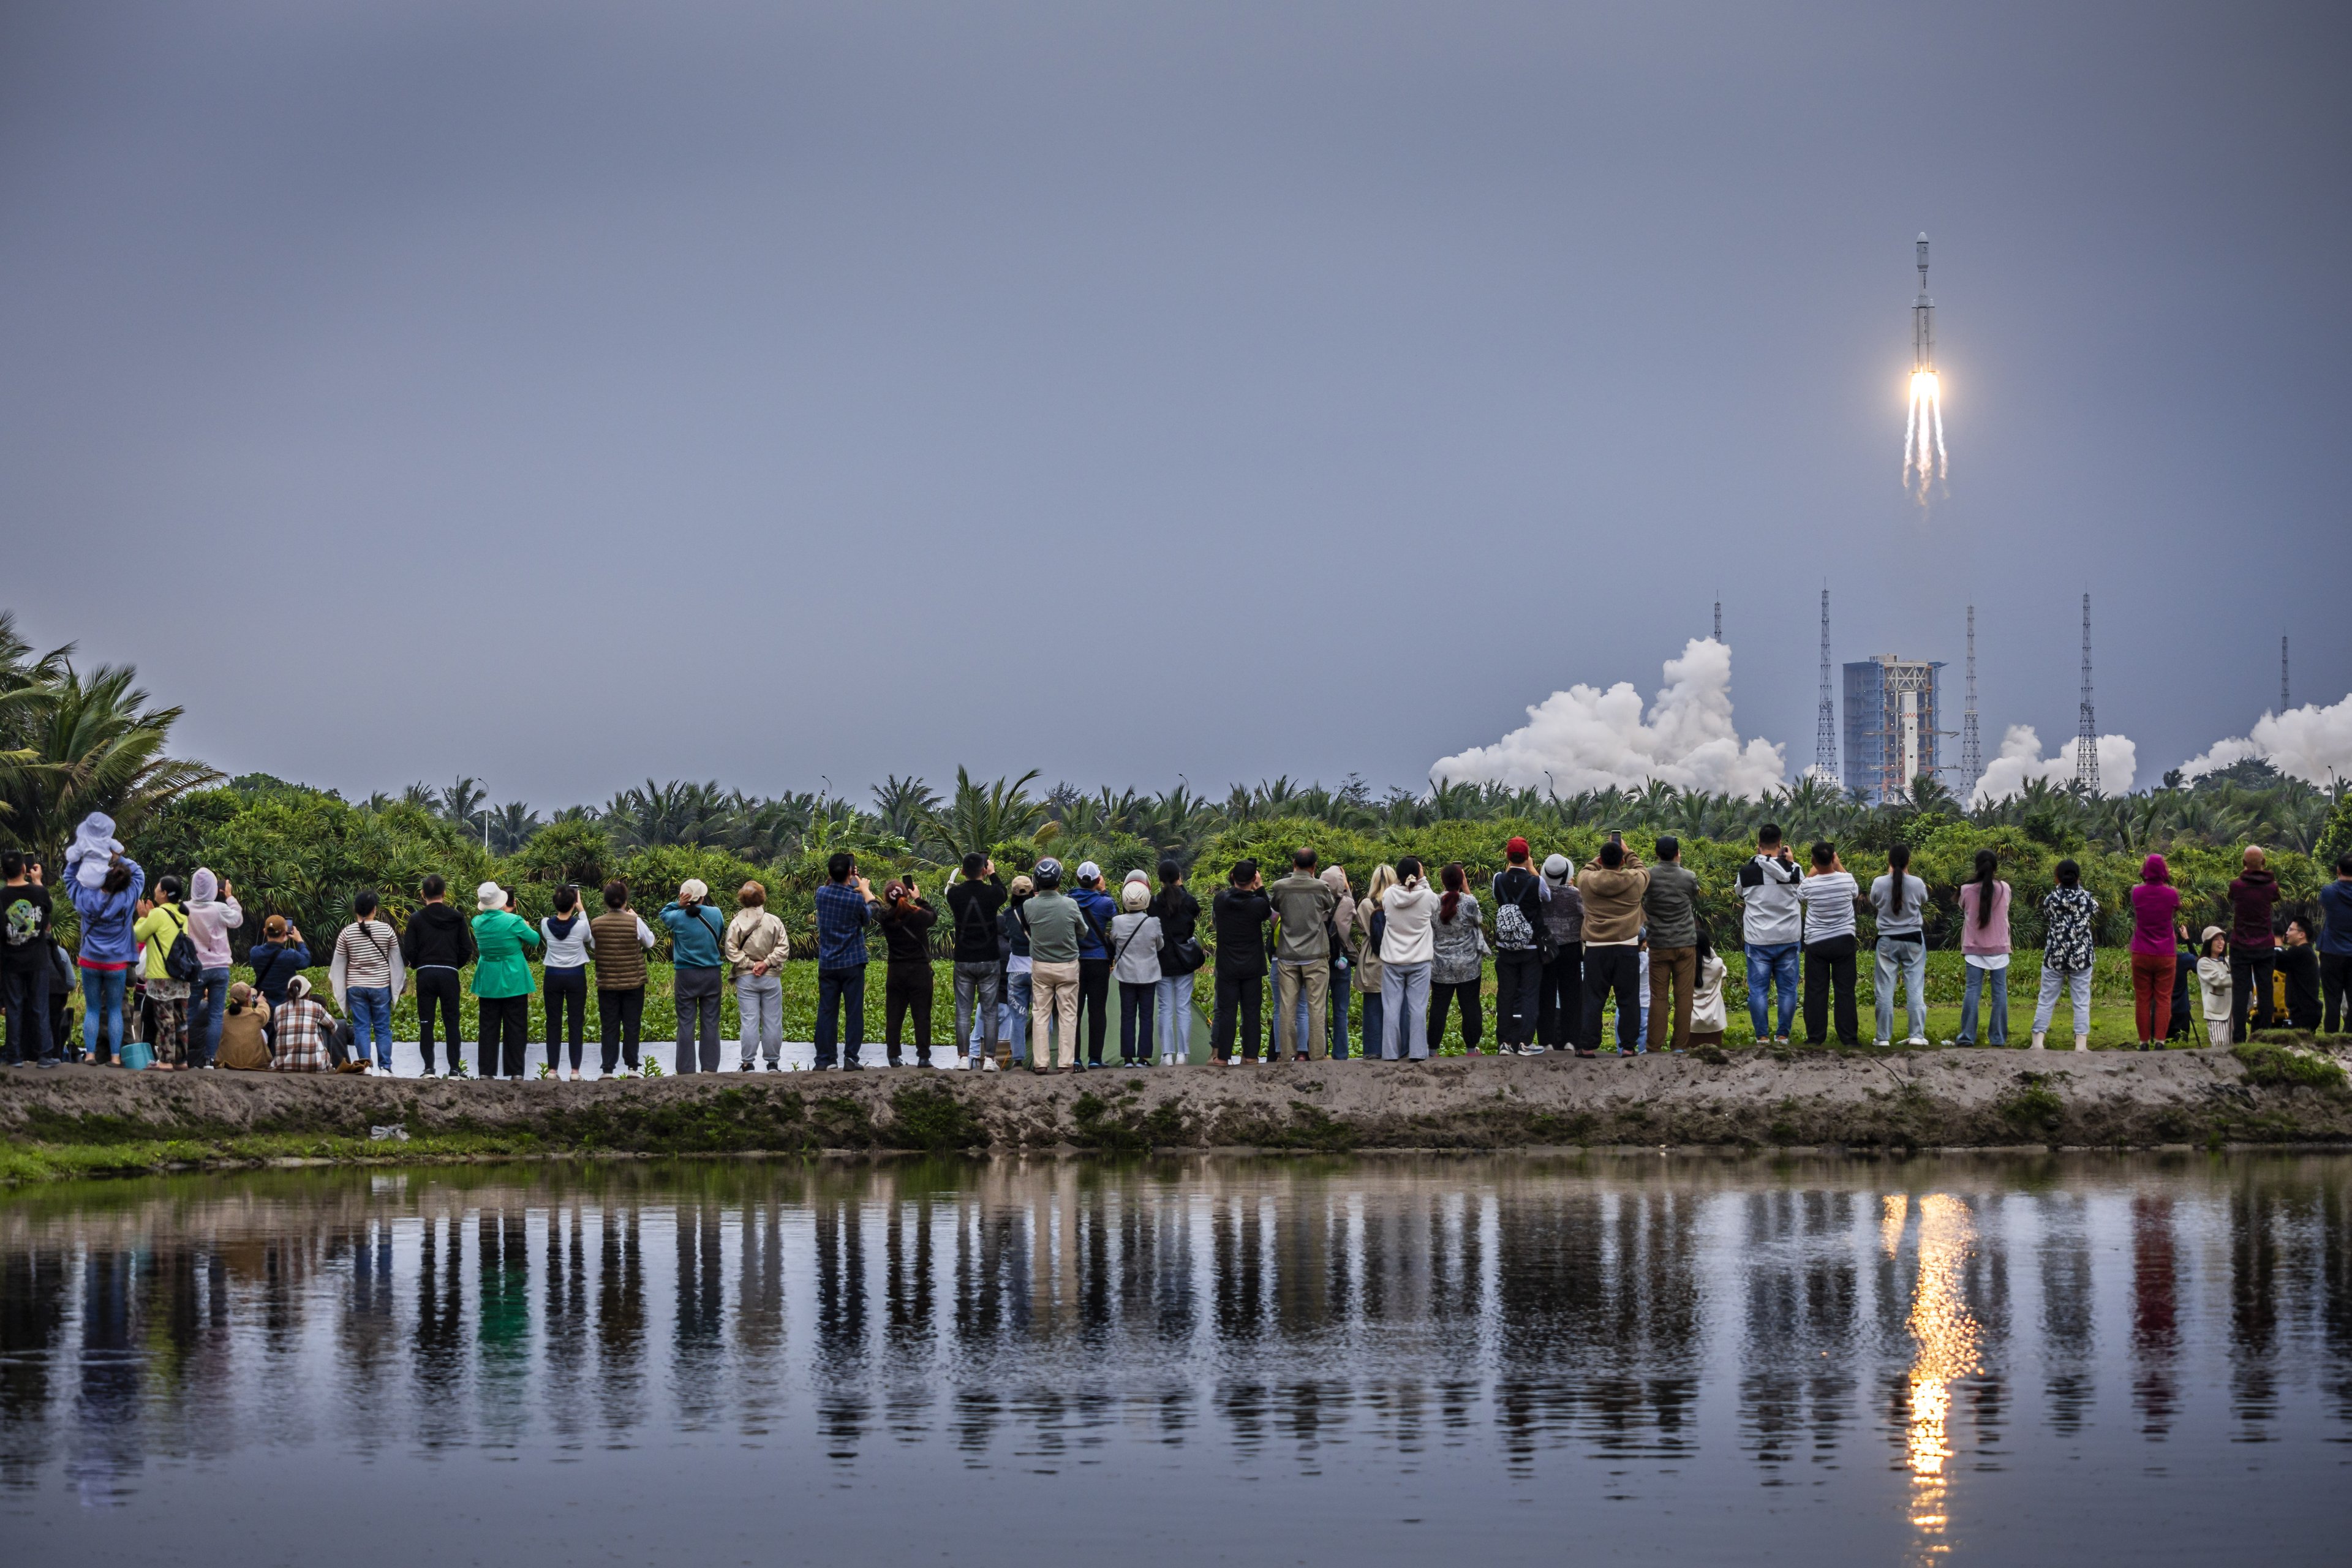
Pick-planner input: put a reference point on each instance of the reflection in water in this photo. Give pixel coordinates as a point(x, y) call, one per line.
point(1288, 1317)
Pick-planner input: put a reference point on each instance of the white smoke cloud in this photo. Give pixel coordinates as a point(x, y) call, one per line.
point(2310, 743)
point(1589, 739)
point(2020, 760)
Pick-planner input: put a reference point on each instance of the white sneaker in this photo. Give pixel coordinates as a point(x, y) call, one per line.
point(1916, 1040)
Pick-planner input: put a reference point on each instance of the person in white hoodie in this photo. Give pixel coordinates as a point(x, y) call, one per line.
point(1408, 946)
point(563, 975)
point(1772, 929)
point(212, 913)
point(93, 850)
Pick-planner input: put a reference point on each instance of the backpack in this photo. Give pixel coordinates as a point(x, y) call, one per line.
point(180, 960)
point(1512, 931)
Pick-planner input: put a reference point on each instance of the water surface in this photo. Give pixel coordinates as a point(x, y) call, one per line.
point(1378, 1361)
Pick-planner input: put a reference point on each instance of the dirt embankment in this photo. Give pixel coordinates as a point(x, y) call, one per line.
point(1906, 1100)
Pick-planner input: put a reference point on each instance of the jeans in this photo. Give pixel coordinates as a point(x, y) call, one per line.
point(2152, 995)
point(619, 1014)
point(1442, 994)
point(101, 1015)
point(25, 998)
point(1830, 971)
point(1240, 999)
point(371, 1010)
point(206, 998)
point(2335, 990)
point(1614, 968)
point(1673, 971)
point(2077, 983)
point(1135, 1031)
point(1337, 1009)
point(1559, 999)
point(1997, 1031)
point(1375, 1025)
point(1173, 1006)
point(1094, 1004)
point(839, 992)
point(437, 992)
point(1772, 967)
point(760, 1016)
point(1011, 1015)
point(1908, 959)
point(2250, 982)
point(696, 990)
point(1053, 1014)
point(505, 1035)
point(1518, 1006)
point(1404, 1011)
point(565, 996)
point(907, 989)
point(1312, 979)
point(975, 1000)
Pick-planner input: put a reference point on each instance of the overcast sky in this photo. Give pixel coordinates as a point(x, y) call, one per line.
point(570, 393)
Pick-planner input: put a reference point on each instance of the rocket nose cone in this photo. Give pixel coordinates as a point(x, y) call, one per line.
point(1923, 236)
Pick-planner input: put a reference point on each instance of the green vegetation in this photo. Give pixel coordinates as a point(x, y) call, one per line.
point(2274, 1062)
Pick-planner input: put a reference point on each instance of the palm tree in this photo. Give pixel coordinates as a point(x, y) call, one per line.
point(901, 805)
point(462, 801)
point(90, 744)
point(980, 817)
point(511, 826)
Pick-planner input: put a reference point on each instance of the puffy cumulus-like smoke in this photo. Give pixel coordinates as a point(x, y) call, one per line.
point(1589, 739)
point(2310, 743)
point(2021, 760)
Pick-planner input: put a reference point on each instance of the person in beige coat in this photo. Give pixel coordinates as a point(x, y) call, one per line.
point(1612, 885)
point(1366, 948)
point(755, 948)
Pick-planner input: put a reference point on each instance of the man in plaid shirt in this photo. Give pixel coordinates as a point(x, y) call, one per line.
point(302, 1027)
point(846, 905)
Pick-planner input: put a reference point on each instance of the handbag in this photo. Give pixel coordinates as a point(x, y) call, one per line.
point(137, 1054)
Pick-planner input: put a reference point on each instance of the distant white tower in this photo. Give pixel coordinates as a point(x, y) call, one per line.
point(1971, 749)
point(1825, 725)
point(2087, 725)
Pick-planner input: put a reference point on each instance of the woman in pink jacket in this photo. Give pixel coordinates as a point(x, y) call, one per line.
point(2154, 903)
point(1984, 949)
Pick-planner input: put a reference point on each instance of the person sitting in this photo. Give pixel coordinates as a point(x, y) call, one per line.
point(244, 1042)
point(302, 1027)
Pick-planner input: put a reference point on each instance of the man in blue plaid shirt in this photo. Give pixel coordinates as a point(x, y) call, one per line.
point(845, 906)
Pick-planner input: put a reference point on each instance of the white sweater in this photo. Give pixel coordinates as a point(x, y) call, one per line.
point(1408, 937)
point(1135, 942)
point(572, 952)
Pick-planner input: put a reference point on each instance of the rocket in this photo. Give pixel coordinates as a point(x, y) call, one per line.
point(1923, 319)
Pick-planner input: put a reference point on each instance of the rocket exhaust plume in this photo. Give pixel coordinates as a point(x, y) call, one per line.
point(1924, 461)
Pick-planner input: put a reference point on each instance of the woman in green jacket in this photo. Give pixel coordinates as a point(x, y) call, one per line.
point(502, 985)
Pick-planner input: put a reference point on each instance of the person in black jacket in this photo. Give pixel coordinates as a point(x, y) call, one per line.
point(1238, 915)
point(2298, 965)
point(1518, 953)
point(2184, 977)
point(437, 943)
point(1179, 919)
point(972, 907)
point(906, 924)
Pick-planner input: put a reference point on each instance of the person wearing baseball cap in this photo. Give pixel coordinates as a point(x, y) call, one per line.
point(1094, 959)
point(1056, 930)
point(1520, 899)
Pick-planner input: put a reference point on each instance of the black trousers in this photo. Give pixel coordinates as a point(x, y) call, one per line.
point(566, 996)
point(2335, 990)
point(1517, 1000)
point(1474, 1012)
point(619, 1014)
point(1138, 999)
point(506, 1035)
point(905, 991)
point(437, 989)
point(2250, 989)
point(1559, 999)
point(1094, 1006)
point(1612, 969)
point(1239, 997)
point(24, 1001)
point(1829, 967)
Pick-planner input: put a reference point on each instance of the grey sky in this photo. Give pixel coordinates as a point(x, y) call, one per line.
point(567, 394)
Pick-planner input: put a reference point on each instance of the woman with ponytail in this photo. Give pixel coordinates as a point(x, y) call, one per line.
point(1984, 948)
point(1901, 900)
point(1457, 965)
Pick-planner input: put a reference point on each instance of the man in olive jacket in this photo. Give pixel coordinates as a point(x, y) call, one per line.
point(1303, 902)
point(1056, 927)
point(1671, 906)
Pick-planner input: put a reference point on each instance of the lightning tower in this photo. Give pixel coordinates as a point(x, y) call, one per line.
point(2086, 727)
point(1825, 727)
point(1971, 751)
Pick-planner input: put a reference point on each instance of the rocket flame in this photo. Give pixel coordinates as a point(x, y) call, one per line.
point(1924, 458)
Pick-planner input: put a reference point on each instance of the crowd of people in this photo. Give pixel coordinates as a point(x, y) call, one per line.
point(1379, 976)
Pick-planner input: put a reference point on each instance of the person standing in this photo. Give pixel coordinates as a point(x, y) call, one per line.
point(1559, 994)
point(845, 906)
point(436, 945)
point(1302, 903)
point(1457, 960)
point(278, 958)
point(164, 1011)
point(503, 942)
point(1238, 914)
point(1613, 885)
point(1408, 940)
point(1180, 959)
point(2184, 981)
point(570, 943)
point(1056, 930)
point(2155, 909)
point(2066, 954)
point(1134, 944)
point(26, 914)
point(619, 939)
point(108, 948)
point(1340, 930)
point(697, 965)
point(1519, 936)
point(973, 905)
point(2335, 947)
point(2215, 984)
point(1984, 949)
point(1771, 927)
point(1370, 924)
point(212, 913)
point(1012, 1041)
point(365, 976)
point(906, 922)
point(1900, 900)
point(2253, 946)
point(1094, 959)
point(1670, 905)
point(2298, 971)
point(1831, 899)
point(756, 947)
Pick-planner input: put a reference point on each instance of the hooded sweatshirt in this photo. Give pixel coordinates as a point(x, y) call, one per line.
point(437, 938)
point(93, 846)
point(211, 919)
point(1343, 916)
point(1097, 904)
point(1409, 935)
point(1772, 916)
point(2251, 898)
point(2154, 903)
point(570, 940)
point(107, 937)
